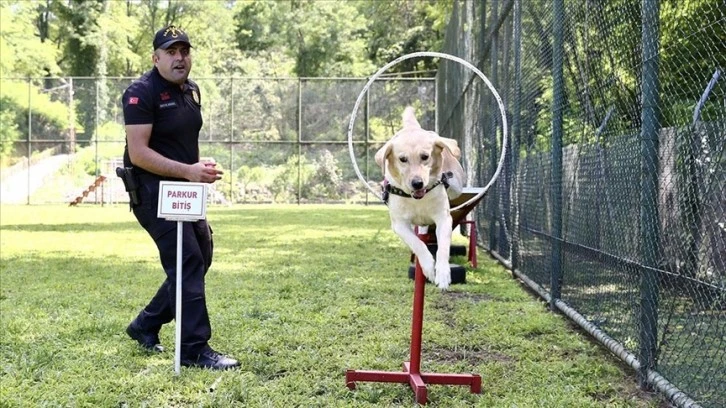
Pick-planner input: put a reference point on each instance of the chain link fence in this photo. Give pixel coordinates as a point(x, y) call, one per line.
point(613, 204)
point(277, 140)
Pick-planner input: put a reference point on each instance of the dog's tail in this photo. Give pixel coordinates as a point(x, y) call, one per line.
point(409, 118)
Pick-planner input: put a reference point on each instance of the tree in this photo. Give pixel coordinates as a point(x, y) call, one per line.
point(399, 27)
point(23, 56)
point(323, 38)
point(25, 51)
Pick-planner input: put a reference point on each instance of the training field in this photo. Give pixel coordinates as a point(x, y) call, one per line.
point(298, 294)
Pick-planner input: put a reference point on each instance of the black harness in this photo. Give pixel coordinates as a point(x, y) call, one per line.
point(388, 189)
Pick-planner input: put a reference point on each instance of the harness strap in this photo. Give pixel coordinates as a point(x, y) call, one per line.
point(388, 189)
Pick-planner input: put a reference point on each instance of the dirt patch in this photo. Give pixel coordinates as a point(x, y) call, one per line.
point(471, 355)
point(472, 297)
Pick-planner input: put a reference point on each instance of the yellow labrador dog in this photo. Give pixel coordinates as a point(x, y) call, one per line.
point(421, 174)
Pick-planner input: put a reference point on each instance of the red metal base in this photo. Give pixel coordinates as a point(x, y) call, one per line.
point(417, 381)
point(411, 373)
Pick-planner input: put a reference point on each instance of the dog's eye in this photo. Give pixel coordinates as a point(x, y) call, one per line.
point(424, 157)
point(403, 159)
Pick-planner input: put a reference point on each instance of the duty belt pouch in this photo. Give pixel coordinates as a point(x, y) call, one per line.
point(131, 183)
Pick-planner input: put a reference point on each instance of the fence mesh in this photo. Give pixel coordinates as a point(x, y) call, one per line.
point(278, 140)
point(614, 200)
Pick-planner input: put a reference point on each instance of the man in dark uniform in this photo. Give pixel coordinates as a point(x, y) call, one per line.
point(162, 115)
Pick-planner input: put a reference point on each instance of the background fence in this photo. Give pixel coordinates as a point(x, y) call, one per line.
point(278, 140)
point(613, 204)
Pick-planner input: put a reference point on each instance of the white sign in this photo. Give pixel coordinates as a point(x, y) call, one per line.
point(181, 201)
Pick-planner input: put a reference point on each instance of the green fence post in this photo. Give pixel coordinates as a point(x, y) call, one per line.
point(649, 190)
point(558, 101)
point(517, 109)
point(493, 151)
point(505, 187)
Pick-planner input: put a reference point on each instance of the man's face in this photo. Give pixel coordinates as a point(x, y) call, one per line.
point(174, 63)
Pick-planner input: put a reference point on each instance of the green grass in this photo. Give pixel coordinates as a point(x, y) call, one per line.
point(298, 294)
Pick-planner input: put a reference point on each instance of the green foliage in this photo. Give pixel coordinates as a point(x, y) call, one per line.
point(251, 183)
point(401, 27)
point(327, 180)
point(85, 158)
point(8, 132)
point(323, 38)
point(49, 118)
point(22, 54)
point(255, 28)
point(110, 131)
point(296, 171)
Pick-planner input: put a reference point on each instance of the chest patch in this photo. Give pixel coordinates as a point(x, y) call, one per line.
point(168, 105)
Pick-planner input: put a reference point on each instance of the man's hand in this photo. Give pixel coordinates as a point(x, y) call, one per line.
point(204, 173)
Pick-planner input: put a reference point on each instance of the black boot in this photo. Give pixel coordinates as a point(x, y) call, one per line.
point(149, 341)
point(209, 358)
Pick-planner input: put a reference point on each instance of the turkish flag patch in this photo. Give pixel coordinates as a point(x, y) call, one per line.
point(133, 100)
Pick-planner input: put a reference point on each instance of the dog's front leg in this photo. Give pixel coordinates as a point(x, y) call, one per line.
point(409, 237)
point(443, 238)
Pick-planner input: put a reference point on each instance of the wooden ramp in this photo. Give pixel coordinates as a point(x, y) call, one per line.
point(99, 181)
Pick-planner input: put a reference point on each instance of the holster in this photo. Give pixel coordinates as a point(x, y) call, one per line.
point(131, 184)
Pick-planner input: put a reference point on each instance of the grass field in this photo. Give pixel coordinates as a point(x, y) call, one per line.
point(298, 294)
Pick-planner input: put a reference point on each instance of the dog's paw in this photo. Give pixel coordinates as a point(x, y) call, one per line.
point(443, 275)
point(428, 268)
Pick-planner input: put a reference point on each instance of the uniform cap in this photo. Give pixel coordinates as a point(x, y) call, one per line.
point(167, 36)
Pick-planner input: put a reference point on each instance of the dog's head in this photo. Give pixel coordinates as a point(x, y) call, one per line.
point(413, 158)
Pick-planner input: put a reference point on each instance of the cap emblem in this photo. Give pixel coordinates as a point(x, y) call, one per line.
point(173, 31)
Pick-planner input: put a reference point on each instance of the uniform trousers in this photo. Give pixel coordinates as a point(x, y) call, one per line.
point(197, 250)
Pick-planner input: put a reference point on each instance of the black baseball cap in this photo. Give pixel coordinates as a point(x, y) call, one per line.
point(169, 35)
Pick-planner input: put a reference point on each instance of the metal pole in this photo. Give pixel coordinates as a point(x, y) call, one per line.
point(649, 230)
point(30, 151)
point(505, 187)
point(95, 136)
point(494, 193)
point(517, 109)
point(72, 118)
point(368, 136)
point(299, 140)
point(178, 318)
point(558, 101)
point(231, 139)
point(417, 319)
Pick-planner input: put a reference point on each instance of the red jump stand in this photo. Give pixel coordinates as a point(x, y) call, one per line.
point(411, 373)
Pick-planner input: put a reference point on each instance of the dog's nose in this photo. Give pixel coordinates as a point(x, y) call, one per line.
point(417, 184)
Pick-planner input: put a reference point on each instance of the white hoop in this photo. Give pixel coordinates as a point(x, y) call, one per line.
point(436, 55)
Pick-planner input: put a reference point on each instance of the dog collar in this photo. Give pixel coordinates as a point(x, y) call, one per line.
point(388, 189)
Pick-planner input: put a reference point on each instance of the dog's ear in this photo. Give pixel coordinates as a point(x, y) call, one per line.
point(409, 119)
point(382, 153)
point(449, 144)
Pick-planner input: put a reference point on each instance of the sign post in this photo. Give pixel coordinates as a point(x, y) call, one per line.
point(181, 201)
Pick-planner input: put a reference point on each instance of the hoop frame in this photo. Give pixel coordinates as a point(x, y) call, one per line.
point(375, 76)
